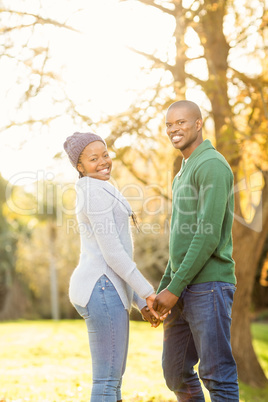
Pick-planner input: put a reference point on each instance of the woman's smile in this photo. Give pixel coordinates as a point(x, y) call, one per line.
point(95, 161)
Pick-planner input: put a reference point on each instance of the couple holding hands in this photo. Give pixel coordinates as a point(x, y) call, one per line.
point(195, 296)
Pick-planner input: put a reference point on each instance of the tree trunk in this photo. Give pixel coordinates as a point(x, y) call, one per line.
point(53, 272)
point(248, 245)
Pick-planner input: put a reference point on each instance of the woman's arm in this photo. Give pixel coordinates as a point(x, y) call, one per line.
point(98, 207)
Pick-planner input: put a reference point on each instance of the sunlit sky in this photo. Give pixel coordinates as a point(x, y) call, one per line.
point(102, 75)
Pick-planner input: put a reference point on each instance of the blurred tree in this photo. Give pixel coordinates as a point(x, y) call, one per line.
point(260, 290)
point(48, 229)
point(214, 33)
point(8, 245)
point(47, 214)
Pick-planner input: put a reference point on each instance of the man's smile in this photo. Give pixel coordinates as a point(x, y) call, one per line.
point(176, 137)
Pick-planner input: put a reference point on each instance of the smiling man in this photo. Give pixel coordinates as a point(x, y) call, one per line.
point(184, 126)
point(199, 282)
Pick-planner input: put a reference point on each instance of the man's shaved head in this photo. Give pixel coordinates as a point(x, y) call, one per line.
point(189, 105)
point(184, 126)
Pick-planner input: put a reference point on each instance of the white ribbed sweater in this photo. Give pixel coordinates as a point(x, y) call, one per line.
point(106, 245)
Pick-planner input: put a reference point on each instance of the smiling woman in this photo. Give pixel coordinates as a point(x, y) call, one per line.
point(106, 280)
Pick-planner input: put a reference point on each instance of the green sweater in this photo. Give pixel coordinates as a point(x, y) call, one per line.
point(200, 245)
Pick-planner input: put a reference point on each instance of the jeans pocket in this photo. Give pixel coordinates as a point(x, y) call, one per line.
point(228, 297)
point(199, 289)
point(82, 311)
point(199, 302)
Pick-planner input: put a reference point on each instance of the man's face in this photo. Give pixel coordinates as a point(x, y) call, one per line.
point(184, 129)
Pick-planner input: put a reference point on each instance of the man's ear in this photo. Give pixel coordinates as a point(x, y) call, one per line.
point(199, 124)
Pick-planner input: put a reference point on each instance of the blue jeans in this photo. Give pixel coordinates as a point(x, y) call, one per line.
point(108, 328)
point(198, 329)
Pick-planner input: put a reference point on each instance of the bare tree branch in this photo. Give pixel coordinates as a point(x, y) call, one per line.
point(153, 4)
point(29, 122)
point(157, 62)
point(39, 20)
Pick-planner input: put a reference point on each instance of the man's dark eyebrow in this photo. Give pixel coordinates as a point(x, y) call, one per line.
point(167, 122)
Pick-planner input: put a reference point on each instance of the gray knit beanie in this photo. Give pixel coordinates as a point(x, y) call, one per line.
point(75, 144)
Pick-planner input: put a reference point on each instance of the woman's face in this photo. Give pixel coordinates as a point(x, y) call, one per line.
point(95, 161)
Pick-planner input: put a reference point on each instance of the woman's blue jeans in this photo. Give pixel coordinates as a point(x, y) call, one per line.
point(108, 328)
point(198, 329)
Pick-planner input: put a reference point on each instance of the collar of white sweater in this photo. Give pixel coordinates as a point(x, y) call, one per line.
point(108, 187)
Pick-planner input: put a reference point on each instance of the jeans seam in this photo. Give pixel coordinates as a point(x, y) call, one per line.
point(113, 343)
point(185, 352)
point(218, 353)
point(224, 300)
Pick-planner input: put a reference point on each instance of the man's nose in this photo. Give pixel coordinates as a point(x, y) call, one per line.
point(174, 127)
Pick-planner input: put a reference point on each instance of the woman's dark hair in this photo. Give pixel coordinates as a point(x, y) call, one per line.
point(79, 161)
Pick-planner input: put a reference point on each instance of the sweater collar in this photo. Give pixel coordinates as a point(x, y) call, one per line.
point(206, 144)
point(91, 180)
point(108, 187)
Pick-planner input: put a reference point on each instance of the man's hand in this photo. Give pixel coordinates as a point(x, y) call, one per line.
point(148, 316)
point(164, 302)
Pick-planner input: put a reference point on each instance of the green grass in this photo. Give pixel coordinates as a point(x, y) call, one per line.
point(46, 361)
point(260, 343)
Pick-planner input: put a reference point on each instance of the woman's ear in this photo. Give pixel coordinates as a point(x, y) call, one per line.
point(80, 168)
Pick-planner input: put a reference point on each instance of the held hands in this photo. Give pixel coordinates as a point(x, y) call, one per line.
point(148, 316)
point(149, 313)
point(164, 302)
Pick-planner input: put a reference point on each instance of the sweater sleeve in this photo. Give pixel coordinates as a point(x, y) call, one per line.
point(214, 183)
point(98, 208)
point(166, 278)
point(138, 301)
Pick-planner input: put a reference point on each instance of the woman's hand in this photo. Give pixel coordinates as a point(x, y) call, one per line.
point(150, 301)
point(148, 316)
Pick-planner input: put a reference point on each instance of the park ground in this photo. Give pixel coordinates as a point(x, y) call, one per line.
point(49, 361)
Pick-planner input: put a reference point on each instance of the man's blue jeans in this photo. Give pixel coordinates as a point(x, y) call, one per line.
point(108, 329)
point(198, 328)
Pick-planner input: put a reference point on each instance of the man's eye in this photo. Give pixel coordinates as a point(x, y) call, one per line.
point(106, 156)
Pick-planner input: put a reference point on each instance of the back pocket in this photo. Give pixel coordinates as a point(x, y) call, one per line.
point(228, 297)
point(82, 311)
